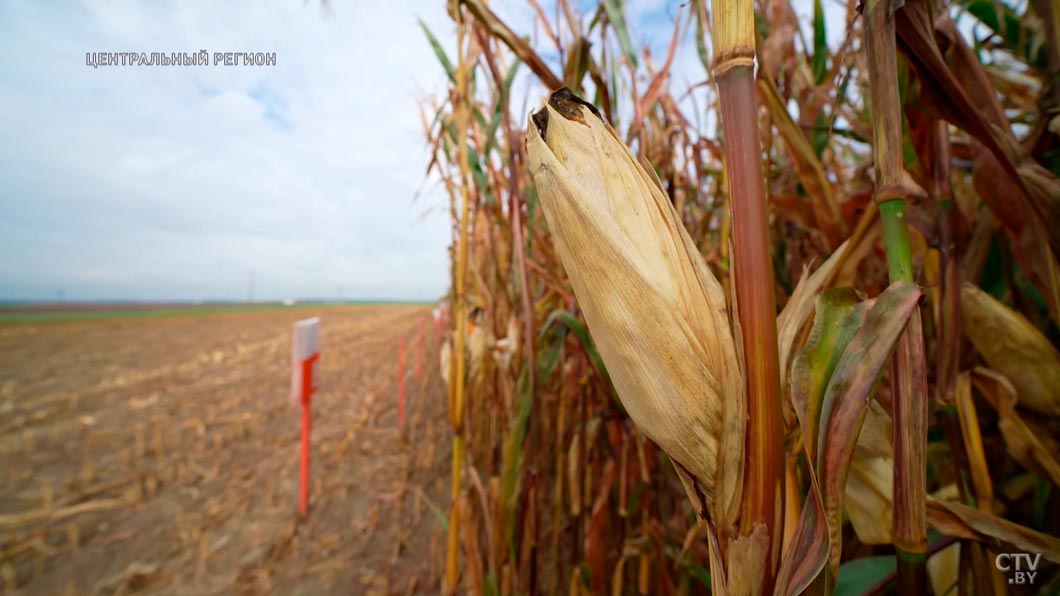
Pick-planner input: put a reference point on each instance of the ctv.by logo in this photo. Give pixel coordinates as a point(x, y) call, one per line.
point(1022, 567)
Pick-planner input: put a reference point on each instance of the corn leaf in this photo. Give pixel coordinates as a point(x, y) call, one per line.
point(857, 577)
point(796, 313)
point(848, 387)
point(962, 521)
point(439, 52)
point(839, 313)
point(522, 49)
point(614, 15)
point(572, 322)
point(820, 44)
point(868, 495)
point(962, 94)
point(1035, 449)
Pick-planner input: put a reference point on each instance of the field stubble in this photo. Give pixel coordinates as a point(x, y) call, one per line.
point(160, 453)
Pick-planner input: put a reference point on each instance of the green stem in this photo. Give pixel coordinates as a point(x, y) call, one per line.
point(910, 413)
point(896, 239)
point(912, 572)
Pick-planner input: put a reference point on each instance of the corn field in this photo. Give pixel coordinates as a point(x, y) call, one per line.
point(790, 326)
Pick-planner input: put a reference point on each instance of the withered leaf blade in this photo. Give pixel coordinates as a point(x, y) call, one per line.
point(1014, 347)
point(849, 385)
point(1035, 449)
point(796, 314)
point(849, 390)
point(962, 94)
point(838, 315)
point(963, 521)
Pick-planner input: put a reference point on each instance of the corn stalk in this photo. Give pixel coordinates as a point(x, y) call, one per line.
point(908, 373)
point(457, 385)
point(734, 52)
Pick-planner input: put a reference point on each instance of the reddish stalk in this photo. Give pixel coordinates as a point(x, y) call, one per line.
point(734, 52)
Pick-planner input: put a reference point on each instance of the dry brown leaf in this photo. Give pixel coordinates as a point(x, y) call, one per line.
point(1012, 346)
point(962, 521)
point(1035, 449)
point(867, 497)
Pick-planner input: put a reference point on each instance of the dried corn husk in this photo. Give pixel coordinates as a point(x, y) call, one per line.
point(655, 312)
point(480, 341)
point(507, 348)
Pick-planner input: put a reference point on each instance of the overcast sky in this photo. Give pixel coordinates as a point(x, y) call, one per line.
point(184, 183)
point(169, 182)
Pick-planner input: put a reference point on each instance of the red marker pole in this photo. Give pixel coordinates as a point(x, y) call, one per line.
point(305, 358)
point(303, 487)
point(401, 382)
point(307, 391)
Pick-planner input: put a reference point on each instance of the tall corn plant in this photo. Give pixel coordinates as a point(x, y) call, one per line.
point(633, 270)
point(458, 367)
point(609, 262)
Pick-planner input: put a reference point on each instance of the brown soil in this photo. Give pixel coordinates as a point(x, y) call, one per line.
point(161, 454)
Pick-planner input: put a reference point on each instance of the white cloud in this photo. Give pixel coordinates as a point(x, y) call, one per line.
point(170, 182)
point(158, 183)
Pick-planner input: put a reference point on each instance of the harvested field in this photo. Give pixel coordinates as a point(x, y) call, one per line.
point(161, 454)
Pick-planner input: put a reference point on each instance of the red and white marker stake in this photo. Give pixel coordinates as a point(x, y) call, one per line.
point(305, 381)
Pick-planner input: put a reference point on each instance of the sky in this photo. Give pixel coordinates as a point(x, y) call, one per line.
point(301, 180)
point(185, 183)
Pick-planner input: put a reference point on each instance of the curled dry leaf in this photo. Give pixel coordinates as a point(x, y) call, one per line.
point(832, 381)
